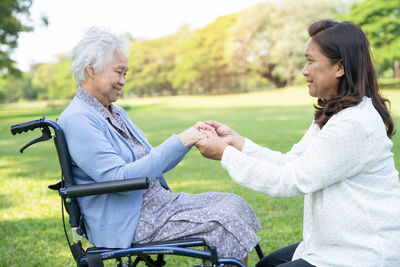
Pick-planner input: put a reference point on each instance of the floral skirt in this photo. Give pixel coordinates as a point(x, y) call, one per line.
point(223, 220)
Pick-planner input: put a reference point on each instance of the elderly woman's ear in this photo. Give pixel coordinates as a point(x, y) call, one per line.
point(89, 71)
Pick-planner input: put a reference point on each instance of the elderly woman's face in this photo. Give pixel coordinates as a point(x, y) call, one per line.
point(107, 85)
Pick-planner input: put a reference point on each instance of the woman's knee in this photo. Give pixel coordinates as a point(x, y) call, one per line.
point(278, 257)
point(268, 261)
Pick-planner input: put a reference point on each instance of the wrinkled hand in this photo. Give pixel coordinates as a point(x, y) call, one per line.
point(190, 136)
point(228, 135)
point(212, 146)
point(202, 127)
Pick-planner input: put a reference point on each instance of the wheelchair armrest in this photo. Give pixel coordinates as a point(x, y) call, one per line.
point(104, 187)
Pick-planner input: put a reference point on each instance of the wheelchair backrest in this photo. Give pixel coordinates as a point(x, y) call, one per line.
point(71, 204)
point(64, 158)
point(66, 188)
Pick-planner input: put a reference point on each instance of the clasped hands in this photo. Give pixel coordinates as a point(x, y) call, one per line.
point(211, 138)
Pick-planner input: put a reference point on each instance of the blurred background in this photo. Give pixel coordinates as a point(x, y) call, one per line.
point(183, 47)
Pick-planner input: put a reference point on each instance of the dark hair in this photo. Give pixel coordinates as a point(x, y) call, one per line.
point(346, 41)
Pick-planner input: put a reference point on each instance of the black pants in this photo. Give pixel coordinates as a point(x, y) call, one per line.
point(282, 258)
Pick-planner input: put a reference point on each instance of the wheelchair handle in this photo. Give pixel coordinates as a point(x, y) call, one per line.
point(41, 123)
point(27, 126)
point(32, 125)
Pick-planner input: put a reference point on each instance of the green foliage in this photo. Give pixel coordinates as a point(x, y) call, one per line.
point(10, 27)
point(44, 81)
point(54, 80)
point(12, 89)
point(150, 65)
point(390, 84)
point(380, 20)
point(62, 84)
point(203, 63)
point(260, 47)
point(269, 38)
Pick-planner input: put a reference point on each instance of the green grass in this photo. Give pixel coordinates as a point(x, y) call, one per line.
point(31, 232)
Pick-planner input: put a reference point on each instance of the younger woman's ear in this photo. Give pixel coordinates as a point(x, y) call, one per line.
point(339, 69)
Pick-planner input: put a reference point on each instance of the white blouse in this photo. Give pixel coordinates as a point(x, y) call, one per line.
point(352, 191)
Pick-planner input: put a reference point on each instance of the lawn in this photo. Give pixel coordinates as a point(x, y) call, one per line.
point(30, 218)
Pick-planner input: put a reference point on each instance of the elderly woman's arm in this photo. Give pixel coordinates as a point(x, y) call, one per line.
point(93, 153)
point(188, 138)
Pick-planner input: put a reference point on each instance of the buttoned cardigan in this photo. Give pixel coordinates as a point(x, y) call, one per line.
point(99, 153)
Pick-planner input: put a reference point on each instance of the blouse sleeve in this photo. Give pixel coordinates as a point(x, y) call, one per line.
point(253, 150)
point(338, 152)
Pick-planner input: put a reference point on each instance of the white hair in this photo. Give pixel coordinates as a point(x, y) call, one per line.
point(96, 49)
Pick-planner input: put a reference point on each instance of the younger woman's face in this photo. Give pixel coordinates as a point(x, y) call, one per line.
point(322, 76)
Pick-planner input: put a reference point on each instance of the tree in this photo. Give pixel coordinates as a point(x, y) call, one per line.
point(10, 27)
point(54, 80)
point(269, 38)
point(380, 20)
point(203, 61)
point(150, 65)
point(12, 89)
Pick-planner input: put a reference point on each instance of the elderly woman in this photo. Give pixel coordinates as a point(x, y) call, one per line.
point(105, 145)
point(343, 165)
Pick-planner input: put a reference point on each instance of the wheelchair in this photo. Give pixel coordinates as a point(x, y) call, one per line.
point(152, 254)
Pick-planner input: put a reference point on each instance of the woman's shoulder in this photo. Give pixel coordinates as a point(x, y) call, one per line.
point(362, 115)
point(77, 113)
point(364, 110)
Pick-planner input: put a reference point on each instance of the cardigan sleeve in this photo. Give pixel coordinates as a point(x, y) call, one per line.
point(172, 164)
point(338, 152)
point(93, 153)
point(253, 150)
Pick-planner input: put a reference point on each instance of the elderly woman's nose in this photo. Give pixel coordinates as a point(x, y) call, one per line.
point(122, 81)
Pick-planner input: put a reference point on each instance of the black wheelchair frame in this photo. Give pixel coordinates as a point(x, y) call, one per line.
point(94, 256)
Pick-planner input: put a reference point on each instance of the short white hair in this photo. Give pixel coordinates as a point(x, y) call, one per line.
point(96, 49)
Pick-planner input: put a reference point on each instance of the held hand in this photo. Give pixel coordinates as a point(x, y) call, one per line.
point(228, 135)
point(191, 136)
point(201, 126)
point(212, 146)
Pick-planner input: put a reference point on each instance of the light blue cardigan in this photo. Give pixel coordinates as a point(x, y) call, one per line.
point(100, 153)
